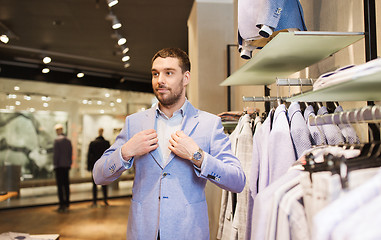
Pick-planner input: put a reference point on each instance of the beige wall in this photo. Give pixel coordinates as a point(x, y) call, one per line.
point(211, 28)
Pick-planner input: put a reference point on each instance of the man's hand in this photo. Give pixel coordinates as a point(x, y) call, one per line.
point(183, 146)
point(140, 144)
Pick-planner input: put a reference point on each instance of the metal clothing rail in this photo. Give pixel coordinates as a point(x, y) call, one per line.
point(294, 82)
point(369, 114)
point(263, 99)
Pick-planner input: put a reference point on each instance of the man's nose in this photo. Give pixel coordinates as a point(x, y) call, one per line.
point(161, 79)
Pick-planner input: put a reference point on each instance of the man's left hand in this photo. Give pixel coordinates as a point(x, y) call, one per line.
point(183, 146)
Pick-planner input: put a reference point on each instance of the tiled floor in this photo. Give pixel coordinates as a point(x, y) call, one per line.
point(47, 195)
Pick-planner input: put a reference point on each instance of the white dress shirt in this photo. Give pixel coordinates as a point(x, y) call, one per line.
point(327, 219)
point(165, 126)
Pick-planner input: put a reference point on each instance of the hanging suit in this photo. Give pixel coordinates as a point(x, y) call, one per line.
point(281, 150)
point(331, 131)
point(318, 137)
point(301, 136)
point(171, 197)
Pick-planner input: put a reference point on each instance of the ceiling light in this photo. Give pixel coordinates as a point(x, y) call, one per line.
point(127, 65)
point(16, 88)
point(27, 97)
point(18, 103)
point(12, 96)
point(45, 104)
point(4, 38)
point(45, 70)
point(80, 75)
point(121, 41)
point(46, 60)
point(124, 49)
point(115, 23)
point(107, 95)
point(112, 3)
point(125, 58)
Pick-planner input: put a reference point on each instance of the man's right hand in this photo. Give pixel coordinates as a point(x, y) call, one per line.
point(140, 144)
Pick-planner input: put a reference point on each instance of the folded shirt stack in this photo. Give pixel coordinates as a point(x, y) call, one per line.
point(347, 73)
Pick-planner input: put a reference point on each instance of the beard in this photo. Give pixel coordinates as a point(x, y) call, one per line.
point(170, 98)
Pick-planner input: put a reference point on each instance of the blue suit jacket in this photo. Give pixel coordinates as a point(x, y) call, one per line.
point(171, 198)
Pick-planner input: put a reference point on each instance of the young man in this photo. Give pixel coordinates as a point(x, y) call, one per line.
point(96, 149)
point(175, 148)
point(62, 160)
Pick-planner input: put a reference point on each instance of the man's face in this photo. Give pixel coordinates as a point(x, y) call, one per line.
point(168, 80)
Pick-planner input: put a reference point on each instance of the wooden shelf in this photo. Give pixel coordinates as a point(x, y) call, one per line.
point(288, 53)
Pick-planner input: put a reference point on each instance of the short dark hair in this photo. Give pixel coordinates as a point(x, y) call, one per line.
point(175, 53)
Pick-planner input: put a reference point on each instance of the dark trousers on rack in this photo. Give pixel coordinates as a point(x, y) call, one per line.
point(62, 179)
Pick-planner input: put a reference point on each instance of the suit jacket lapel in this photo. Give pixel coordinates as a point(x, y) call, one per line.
point(149, 123)
point(189, 123)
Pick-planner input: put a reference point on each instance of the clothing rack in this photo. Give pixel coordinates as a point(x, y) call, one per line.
point(294, 82)
point(362, 115)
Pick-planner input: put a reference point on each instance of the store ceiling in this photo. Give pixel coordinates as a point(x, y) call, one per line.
point(78, 37)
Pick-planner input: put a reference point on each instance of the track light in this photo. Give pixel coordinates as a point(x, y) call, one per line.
point(121, 40)
point(124, 49)
point(4, 38)
point(125, 58)
point(112, 3)
point(46, 60)
point(115, 23)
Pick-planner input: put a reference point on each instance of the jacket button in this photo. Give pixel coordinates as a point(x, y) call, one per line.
point(165, 174)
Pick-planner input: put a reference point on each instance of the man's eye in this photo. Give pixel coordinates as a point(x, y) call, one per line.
point(169, 73)
point(155, 74)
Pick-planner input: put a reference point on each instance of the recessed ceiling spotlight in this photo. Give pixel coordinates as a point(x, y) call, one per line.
point(80, 75)
point(45, 70)
point(46, 60)
point(127, 65)
point(112, 3)
point(16, 88)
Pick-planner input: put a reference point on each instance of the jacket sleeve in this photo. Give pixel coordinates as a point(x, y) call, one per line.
point(220, 165)
point(111, 165)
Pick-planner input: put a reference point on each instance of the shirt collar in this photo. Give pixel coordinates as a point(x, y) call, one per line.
point(292, 109)
point(180, 111)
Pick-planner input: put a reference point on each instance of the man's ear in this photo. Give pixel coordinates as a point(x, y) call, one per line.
point(186, 78)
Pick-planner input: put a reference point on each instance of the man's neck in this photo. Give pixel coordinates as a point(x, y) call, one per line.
point(169, 110)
